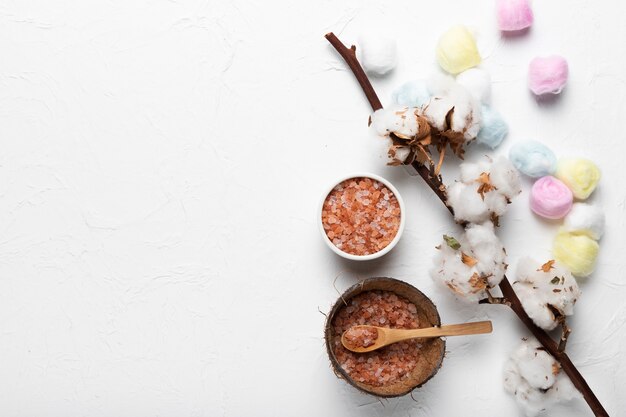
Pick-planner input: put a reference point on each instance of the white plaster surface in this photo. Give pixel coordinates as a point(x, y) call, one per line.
point(160, 166)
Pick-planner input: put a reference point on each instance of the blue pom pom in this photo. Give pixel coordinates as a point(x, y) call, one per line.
point(493, 129)
point(413, 94)
point(533, 158)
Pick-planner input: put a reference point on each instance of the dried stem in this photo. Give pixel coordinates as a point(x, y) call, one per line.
point(565, 332)
point(436, 184)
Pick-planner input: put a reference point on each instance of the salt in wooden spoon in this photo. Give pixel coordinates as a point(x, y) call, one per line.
point(389, 336)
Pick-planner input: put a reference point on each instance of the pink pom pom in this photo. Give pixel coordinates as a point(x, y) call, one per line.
point(550, 198)
point(514, 15)
point(547, 75)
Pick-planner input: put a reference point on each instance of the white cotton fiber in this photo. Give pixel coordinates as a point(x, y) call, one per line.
point(478, 263)
point(397, 119)
point(448, 95)
point(478, 82)
point(535, 378)
point(378, 54)
point(585, 218)
point(542, 288)
point(485, 189)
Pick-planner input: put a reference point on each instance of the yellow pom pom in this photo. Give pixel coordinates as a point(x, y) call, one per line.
point(580, 175)
point(577, 252)
point(457, 51)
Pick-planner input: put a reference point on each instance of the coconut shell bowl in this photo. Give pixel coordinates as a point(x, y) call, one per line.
point(431, 351)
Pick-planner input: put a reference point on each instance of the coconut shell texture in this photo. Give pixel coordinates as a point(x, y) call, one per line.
point(432, 351)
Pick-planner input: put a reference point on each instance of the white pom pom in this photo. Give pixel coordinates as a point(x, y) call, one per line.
point(536, 379)
point(377, 54)
point(478, 82)
point(585, 218)
point(472, 264)
point(543, 289)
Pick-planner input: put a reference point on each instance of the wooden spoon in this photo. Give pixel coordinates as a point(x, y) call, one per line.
point(389, 336)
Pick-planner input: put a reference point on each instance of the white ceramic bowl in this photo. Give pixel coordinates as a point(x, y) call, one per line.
point(371, 256)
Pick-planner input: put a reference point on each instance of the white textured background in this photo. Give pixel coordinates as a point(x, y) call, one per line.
point(160, 166)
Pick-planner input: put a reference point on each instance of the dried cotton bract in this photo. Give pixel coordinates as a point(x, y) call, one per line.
point(548, 292)
point(472, 264)
point(484, 190)
point(535, 378)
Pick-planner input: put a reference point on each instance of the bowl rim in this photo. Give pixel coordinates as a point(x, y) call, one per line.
point(353, 291)
point(391, 244)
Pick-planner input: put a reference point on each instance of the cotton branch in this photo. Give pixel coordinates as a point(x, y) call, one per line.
point(509, 298)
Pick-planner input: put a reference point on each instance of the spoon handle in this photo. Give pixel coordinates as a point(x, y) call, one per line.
point(477, 327)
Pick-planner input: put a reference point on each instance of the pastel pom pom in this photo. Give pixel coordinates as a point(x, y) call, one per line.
point(493, 129)
point(585, 219)
point(577, 252)
point(580, 175)
point(478, 82)
point(550, 198)
point(547, 75)
point(533, 159)
point(457, 51)
point(377, 54)
point(412, 94)
point(514, 15)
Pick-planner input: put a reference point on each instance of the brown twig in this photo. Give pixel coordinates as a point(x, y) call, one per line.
point(435, 183)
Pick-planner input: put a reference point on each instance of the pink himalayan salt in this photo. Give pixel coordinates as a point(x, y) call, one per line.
point(359, 337)
point(547, 75)
point(386, 365)
point(361, 216)
point(514, 15)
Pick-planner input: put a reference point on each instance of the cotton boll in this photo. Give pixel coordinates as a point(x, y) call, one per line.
point(467, 204)
point(450, 98)
point(378, 54)
point(485, 190)
point(533, 158)
point(478, 82)
point(550, 198)
point(457, 51)
point(580, 175)
point(488, 251)
point(477, 263)
point(471, 171)
point(577, 252)
point(505, 178)
point(493, 128)
point(547, 75)
point(399, 120)
point(542, 288)
point(413, 94)
point(585, 219)
point(535, 378)
point(514, 15)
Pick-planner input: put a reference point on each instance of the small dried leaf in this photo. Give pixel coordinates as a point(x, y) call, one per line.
point(485, 184)
point(468, 260)
point(547, 266)
point(452, 242)
point(555, 280)
point(477, 282)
